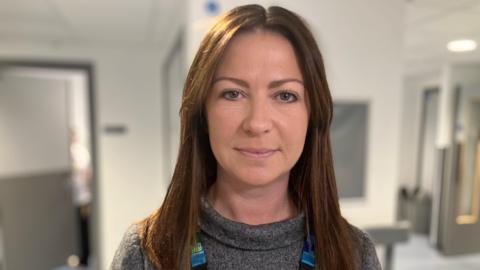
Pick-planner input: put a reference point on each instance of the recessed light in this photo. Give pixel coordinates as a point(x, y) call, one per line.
point(462, 45)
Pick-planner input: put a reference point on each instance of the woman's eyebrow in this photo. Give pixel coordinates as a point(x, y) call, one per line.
point(277, 83)
point(245, 84)
point(234, 80)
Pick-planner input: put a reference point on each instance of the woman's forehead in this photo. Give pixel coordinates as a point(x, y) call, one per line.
point(259, 53)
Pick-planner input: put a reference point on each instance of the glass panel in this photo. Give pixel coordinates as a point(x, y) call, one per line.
point(349, 144)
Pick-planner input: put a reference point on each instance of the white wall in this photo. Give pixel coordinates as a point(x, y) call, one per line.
point(33, 125)
point(130, 166)
point(75, 82)
point(362, 45)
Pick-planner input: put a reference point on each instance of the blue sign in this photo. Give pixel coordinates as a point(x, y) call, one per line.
point(212, 7)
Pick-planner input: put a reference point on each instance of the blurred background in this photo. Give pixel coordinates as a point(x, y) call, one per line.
point(89, 126)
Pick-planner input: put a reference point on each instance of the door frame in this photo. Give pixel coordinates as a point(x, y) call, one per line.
point(89, 69)
point(453, 237)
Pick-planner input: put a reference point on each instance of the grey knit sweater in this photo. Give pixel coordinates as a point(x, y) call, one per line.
point(234, 245)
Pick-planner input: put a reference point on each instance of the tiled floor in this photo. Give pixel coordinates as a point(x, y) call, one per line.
point(417, 254)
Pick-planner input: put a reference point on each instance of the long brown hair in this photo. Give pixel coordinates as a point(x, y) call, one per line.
point(167, 235)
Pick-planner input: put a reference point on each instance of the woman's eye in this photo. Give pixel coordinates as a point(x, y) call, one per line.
point(287, 97)
point(231, 94)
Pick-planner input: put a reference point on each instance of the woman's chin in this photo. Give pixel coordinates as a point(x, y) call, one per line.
point(261, 180)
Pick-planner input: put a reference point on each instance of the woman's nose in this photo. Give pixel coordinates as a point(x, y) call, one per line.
point(258, 119)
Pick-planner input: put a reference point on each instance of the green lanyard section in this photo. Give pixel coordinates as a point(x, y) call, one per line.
point(307, 260)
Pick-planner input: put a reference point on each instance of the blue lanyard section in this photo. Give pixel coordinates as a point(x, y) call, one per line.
point(307, 260)
point(199, 260)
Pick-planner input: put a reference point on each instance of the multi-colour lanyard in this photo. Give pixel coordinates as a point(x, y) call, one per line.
point(199, 260)
point(307, 261)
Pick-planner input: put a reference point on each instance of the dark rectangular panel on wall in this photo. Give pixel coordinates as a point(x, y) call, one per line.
point(349, 146)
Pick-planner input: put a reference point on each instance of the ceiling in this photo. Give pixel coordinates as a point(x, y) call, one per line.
point(125, 21)
point(429, 24)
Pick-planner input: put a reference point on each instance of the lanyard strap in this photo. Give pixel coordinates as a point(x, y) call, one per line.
point(307, 260)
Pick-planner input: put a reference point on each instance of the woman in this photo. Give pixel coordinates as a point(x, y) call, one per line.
point(254, 186)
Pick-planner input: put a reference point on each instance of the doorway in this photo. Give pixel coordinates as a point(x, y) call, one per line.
point(47, 115)
point(460, 225)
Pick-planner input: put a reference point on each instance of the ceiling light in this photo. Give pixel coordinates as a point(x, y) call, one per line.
point(462, 45)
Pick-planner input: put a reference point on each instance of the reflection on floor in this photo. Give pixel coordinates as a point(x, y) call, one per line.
point(417, 254)
point(71, 268)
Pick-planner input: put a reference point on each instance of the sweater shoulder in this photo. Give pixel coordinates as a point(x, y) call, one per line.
point(129, 254)
point(366, 248)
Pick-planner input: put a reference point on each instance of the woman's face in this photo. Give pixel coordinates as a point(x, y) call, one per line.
point(257, 110)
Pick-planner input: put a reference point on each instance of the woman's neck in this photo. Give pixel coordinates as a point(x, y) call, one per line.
point(252, 205)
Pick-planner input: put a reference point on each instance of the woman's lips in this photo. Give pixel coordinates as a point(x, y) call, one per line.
point(256, 152)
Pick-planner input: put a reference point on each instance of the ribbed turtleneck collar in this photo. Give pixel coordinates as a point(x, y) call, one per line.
point(250, 237)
